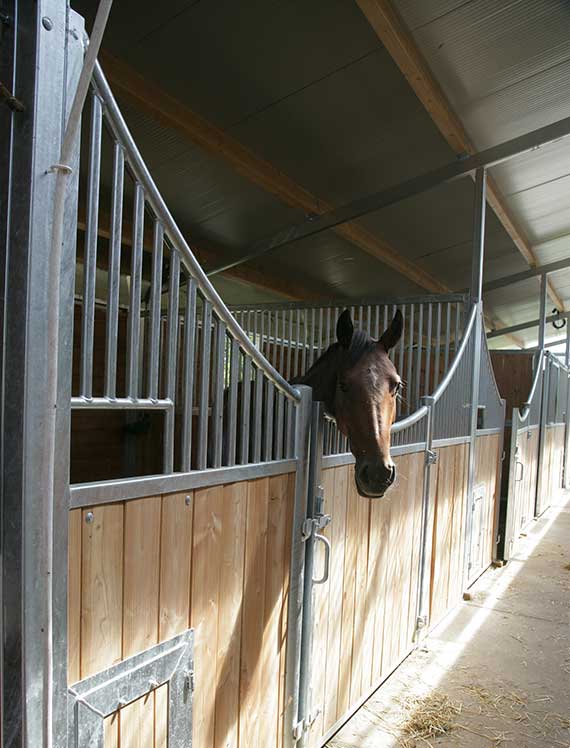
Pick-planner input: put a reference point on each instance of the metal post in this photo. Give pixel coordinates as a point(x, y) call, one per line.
point(476, 298)
point(542, 323)
point(566, 479)
point(41, 65)
point(544, 394)
point(315, 521)
point(295, 603)
point(425, 551)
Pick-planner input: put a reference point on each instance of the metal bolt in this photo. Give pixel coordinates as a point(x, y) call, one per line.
point(47, 23)
point(89, 517)
point(187, 500)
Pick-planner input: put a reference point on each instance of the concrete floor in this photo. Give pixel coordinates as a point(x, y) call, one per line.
point(496, 671)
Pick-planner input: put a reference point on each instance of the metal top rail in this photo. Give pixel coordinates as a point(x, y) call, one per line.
point(350, 302)
point(523, 415)
point(173, 233)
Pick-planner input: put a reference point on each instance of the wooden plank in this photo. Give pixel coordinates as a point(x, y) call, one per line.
point(253, 612)
point(442, 533)
point(458, 528)
point(229, 613)
point(407, 552)
point(272, 643)
point(336, 487)
point(101, 588)
point(141, 588)
point(161, 717)
point(175, 564)
point(415, 483)
point(206, 555)
point(74, 598)
point(360, 643)
point(111, 727)
point(380, 520)
point(137, 723)
point(348, 599)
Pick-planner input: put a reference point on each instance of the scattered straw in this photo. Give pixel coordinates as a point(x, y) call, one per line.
point(427, 717)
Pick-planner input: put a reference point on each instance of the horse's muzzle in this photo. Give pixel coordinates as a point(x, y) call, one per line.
point(373, 479)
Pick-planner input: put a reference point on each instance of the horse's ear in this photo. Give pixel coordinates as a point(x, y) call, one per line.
point(393, 333)
point(344, 329)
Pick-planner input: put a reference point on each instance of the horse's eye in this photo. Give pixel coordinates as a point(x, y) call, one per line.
point(397, 387)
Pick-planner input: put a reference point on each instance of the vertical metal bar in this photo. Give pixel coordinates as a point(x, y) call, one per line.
point(329, 311)
point(171, 359)
point(272, 329)
point(188, 374)
point(293, 716)
point(297, 342)
point(257, 415)
point(320, 338)
point(233, 403)
point(409, 384)
point(282, 366)
point(419, 355)
point(437, 350)
point(114, 272)
point(423, 580)
point(90, 252)
point(477, 332)
point(289, 344)
point(369, 320)
point(278, 449)
point(447, 335)
point(543, 300)
point(218, 403)
point(204, 387)
point(155, 310)
point(427, 390)
point(377, 323)
point(269, 407)
point(245, 411)
point(314, 510)
point(312, 339)
point(457, 327)
point(135, 295)
point(304, 352)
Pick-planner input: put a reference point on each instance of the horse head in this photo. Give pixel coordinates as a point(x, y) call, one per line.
point(359, 384)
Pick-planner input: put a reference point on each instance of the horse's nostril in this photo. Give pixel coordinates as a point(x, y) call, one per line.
point(392, 475)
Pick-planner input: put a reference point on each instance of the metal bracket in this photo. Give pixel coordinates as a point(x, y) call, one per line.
point(100, 695)
point(421, 622)
point(302, 727)
point(431, 457)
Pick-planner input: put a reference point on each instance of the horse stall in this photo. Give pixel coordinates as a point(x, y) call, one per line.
point(536, 388)
point(214, 576)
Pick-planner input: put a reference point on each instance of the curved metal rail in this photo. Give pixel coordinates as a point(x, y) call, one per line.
point(524, 412)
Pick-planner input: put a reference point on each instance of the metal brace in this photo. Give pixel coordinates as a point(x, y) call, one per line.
point(301, 727)
point(431, 457)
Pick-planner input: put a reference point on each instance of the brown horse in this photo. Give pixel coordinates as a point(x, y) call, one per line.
point(358, 385)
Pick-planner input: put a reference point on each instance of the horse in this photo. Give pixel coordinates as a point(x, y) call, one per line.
point(359, 385)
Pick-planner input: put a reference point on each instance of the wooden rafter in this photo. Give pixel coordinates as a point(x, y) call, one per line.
point(169, 111)
point(398, 41)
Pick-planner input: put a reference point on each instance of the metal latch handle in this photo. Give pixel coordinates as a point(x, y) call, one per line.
point(326, 542)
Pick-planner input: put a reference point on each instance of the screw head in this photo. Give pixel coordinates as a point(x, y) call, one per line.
point(89, 517)
point(187, 500)
point(47, 23)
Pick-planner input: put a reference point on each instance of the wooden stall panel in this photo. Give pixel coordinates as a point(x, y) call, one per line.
point(487, 469)
point(365, 615)
point(217, 559)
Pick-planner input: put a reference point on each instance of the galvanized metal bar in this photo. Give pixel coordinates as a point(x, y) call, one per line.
point(419, 354)
point(329, 311)
point(320, 338)
point(476, 297)
point(233, 403)
point(437, 350)
point(422, 618)
point(409, 383)
point(542, 322)
point(171, 359)
point(188, 373)
point(377, 322)
point(427, 384)
point(289, 345)
point(282, 360)
point(269, 412)
point(134, 323)
point(527, 325)
point(119, 403)
point(257, 415)
point(245, 411)
point(204, 386)
point(312, 339)
point(218, 401)
point(315, 511)
point(447, 335)
point(297, 373)
point(304, 351)
point(155, 309)
point(90, 252)
point(114, 279)
point(293, 716)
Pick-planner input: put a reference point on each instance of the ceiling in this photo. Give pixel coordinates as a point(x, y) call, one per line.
point(310, 89)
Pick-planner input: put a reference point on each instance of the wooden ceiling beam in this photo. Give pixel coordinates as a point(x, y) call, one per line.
point(149, 98)
point(401, 46)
